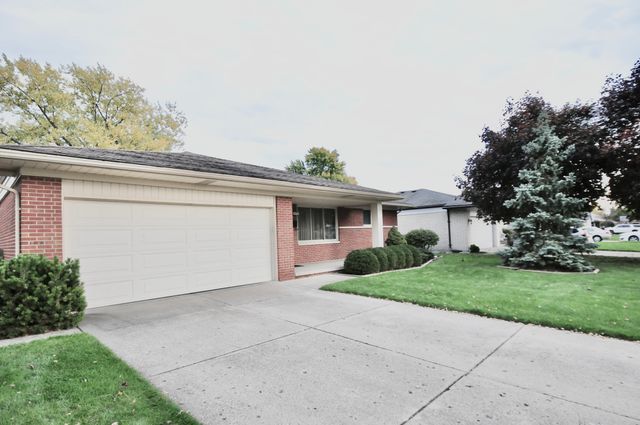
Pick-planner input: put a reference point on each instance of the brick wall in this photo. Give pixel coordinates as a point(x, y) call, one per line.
point(41, 216)
point(7, 226)
point(285, 238)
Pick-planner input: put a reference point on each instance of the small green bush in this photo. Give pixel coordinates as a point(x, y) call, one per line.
point(392, 257)
point(39, 295)
point(426, 255)
point(417, 256)
point(361, 261)
point(408, 255)
point(395, 237)
point(422, 238)
point(383, 259)
point(402, 257)
point(474, 249)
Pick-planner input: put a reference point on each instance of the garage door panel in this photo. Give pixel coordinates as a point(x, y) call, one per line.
point(107, 268)
point(209, 238)
point(206, 216)
point(134, 251)
point(106, 213)
point(160, 239)
point(89, 241)
point(113, 292)
point(156, 215)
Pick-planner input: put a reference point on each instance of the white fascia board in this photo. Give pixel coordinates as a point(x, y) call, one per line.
point(272, 185)
point(422, 211)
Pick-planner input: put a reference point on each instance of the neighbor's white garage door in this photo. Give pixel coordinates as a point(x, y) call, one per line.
point(135, 251)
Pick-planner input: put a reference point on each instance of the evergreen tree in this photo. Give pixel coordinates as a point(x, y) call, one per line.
point(542, 238)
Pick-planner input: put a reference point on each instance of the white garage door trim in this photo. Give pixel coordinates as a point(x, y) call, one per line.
point(132, 251)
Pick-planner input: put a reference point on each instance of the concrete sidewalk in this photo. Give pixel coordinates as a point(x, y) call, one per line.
point(286, 353)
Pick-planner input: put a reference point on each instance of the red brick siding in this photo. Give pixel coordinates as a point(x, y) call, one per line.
point(389, 218)
point(8, 225)
point(285, 238)
point(350, 239)
point(41, 216)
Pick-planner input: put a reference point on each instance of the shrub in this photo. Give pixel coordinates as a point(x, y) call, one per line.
point(408, 255)
point(395, 237)
point(422, 238)
point(415, 254)
point(508, 236)
point(38, 295)
point(474, 249)
point(392, 257)
point(361, 261)
point(383, 258)
point(402, 257)
point(426, 255)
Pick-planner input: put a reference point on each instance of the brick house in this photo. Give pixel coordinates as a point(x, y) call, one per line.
point(149, 224)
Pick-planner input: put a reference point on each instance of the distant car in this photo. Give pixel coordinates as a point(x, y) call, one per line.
point(626, 227)
point(630, 236)
point(595, 234)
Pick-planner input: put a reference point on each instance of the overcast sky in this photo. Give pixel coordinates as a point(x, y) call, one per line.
point(402, 89)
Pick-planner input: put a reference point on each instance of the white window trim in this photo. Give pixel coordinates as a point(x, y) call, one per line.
point(319, 241)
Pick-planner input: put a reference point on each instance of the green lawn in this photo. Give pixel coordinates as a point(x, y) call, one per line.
point(76, 380)
point(619, 246)
point(606, 303)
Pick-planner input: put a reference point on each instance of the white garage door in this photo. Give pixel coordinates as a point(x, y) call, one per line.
point(136, 251)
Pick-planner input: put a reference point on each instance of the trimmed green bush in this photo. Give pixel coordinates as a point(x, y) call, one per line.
point(402, 257)
point(416, 255)
point(39, 295)
point(383, 259)
point(426, 255)
point(422, 238)
point(474, 249)
point(361, 261)
point(395, 237)
point(408, 255)
point(392, 257)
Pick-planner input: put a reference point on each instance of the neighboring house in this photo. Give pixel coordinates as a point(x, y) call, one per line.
point(150, 224)
point(451, 217)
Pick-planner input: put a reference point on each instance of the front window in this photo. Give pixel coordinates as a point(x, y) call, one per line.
point(366, 217)
point(317, 224)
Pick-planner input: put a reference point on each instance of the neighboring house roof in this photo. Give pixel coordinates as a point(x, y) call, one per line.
point(188, 161)
point(425, 198)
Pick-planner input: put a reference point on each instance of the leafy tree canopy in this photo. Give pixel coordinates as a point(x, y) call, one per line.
point(620, 111)
point(542, 237)
point(322, 162)
point(492, 173)
point(85, 107)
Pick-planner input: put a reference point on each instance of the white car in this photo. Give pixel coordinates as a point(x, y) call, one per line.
point(626, 227)
point(630, 236)
point(594, 234)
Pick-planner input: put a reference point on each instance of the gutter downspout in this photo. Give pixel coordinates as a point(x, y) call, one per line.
point(16, 201)
point(449, 227)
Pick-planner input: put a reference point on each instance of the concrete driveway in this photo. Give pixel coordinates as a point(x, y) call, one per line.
point(286, 353)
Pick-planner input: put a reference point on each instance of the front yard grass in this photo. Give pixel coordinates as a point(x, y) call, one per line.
point(619, 246)
point(76, 380)
point(607, 303)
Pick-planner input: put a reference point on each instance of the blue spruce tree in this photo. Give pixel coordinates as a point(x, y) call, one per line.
point(542, 236)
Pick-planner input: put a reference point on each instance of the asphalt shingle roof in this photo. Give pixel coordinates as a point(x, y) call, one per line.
point(188, 161)
point(425, 198)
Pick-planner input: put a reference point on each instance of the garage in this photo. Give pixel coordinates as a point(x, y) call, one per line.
point(132, 251)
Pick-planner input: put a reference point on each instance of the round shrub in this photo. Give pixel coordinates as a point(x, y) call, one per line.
point(39, 295)
point(392, 257)
point(361, 261)
point(474, 249)
point(417, 256)
point(395, 237)
point(402, 257)
point(383, 259)
point(422, 238)
point(408, 255)
point(426, 255)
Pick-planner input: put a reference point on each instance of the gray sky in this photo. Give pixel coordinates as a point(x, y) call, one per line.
point(402, 89)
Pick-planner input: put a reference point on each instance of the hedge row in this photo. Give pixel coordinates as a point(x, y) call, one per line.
point(394, 257)
point(39, 295)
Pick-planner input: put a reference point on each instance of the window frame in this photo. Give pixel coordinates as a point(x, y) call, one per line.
point(363, 215)
point(318, 241)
